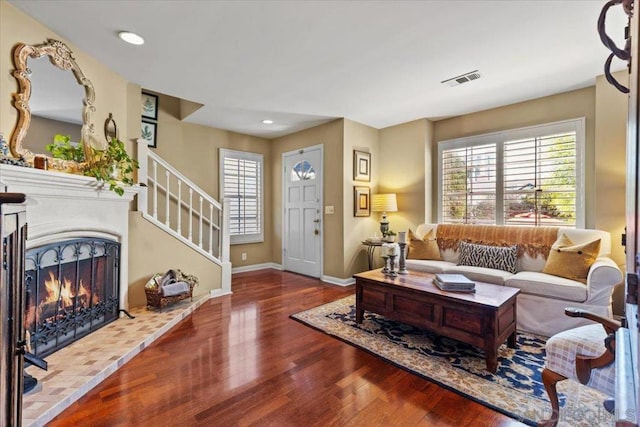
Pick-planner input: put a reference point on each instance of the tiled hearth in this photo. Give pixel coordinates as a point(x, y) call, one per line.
point(79, 367)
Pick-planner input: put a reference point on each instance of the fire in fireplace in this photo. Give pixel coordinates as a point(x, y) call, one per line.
point(72, 289)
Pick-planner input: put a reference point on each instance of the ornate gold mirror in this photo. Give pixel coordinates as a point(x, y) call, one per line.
point(50, 101)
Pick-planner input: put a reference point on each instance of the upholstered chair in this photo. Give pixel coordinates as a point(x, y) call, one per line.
point(583, 354)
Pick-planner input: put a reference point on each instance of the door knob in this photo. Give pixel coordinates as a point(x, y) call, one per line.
point(316, 232)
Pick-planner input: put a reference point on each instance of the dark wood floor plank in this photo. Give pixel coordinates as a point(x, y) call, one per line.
point(240, 360)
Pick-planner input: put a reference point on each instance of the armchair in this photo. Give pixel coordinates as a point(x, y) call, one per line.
point(584, 354)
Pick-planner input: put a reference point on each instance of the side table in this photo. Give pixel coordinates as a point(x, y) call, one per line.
point(371, 248)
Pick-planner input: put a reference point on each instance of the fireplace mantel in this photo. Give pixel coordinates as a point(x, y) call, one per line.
point(63, 206)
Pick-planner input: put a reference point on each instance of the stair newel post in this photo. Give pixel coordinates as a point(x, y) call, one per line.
point(179, 225)
point(167, 200)
point(225, 239)
point(200, 224)
point(211, 228)
point(155, 189)
point(143, 163)
point(190, 214)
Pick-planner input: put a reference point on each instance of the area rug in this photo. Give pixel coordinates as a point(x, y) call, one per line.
point(515, 390)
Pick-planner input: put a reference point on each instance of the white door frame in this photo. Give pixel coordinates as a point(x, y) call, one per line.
point(321, 204)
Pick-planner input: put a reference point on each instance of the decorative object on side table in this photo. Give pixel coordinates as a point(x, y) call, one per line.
point(402, 242)
point(384, 203)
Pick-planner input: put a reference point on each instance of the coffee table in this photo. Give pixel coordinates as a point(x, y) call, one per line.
point(486, 318)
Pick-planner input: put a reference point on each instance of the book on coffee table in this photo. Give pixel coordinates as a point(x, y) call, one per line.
point(454, 283)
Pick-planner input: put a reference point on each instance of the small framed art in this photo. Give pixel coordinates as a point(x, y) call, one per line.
point(361, 166)
point(361, 201)
point(149, 132)
point(149, 106)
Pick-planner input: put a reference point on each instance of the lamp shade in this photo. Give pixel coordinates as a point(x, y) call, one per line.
point(384, 203)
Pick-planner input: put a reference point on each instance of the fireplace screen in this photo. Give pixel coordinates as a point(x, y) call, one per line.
point(72, 290)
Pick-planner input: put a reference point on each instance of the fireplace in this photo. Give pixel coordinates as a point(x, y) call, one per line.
point(72, 289)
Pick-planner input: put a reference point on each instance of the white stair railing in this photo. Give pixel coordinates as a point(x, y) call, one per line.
point(162, 203)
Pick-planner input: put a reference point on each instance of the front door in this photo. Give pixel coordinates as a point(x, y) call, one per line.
point(302, 198)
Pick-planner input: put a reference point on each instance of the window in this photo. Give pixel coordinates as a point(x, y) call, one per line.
point(241, 182)
point(529, 176)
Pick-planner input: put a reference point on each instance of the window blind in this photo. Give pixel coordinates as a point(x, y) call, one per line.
point(469, 184)
point(540, 180)
point(242, 186)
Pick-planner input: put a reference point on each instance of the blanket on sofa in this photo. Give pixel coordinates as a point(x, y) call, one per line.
point(532, 241)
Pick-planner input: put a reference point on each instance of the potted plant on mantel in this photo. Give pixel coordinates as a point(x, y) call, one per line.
point(112, 165)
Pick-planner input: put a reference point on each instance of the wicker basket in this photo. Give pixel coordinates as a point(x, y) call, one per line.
point(157, 300)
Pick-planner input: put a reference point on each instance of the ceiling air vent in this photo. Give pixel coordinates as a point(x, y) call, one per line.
point(464, 78)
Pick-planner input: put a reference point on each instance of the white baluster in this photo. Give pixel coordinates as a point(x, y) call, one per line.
point(168, 198)
point(155, 189)
point(179, 228)
point(190, 214)
point(200, 226)
point(211, 228)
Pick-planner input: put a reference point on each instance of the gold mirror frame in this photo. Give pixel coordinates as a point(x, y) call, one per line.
point(60, 56)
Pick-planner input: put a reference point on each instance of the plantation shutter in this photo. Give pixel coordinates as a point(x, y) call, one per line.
point(242, 185)
point(469, 184)
point(540, 180)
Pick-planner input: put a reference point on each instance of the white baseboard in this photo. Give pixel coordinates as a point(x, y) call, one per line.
point(255, 267)
point(215, 293)
point(337, 281)
point(327, 279)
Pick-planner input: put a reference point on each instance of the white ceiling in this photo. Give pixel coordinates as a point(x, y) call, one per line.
point(301, 63)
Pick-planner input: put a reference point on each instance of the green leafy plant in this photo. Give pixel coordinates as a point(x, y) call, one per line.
point(113, 166)
point(61, 148)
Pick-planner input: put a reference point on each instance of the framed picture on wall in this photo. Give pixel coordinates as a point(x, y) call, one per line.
point(149, 132)
point(149, 106)
point(361, 166)
point(361, 201)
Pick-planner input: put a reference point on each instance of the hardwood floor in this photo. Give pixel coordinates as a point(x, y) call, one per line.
point(240, 360)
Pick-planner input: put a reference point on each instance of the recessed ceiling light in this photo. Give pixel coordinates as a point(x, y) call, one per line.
point(130, 37)
point(267, 122)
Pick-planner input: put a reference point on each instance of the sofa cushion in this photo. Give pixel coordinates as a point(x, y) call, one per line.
point(425, 248)
point(481, 274)
point(547, 285)
point(428, 266)
point(571, 261)
point(501, 258)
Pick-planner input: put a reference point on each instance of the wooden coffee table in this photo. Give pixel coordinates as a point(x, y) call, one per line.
point(485, 318)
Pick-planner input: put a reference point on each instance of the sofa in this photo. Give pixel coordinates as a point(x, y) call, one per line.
point(543, 297)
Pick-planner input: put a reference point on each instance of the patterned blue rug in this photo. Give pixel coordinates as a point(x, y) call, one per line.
point(515, 389)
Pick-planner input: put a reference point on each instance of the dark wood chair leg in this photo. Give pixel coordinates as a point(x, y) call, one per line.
point(549, 379)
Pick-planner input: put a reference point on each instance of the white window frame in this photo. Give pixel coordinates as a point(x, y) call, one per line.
point(236, 239)
point(499, 138)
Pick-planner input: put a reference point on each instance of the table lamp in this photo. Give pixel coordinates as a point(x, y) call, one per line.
point(384, 203)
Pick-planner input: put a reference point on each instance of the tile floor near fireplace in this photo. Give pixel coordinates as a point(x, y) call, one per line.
point(79, 367)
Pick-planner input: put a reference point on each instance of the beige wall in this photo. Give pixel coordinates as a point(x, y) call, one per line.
point(331, 136)
point(110, 87)
point(356, 229)
point(564, 106)
point(610, 161)
point(605, 112)
point(194, 151)
point(405, 165)
point(153, 250)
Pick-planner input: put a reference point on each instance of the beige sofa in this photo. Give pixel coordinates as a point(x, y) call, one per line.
point(543, 297)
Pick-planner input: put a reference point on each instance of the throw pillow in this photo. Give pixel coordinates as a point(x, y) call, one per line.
point(498, 257)
point(427, 248)
point(571, 261)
